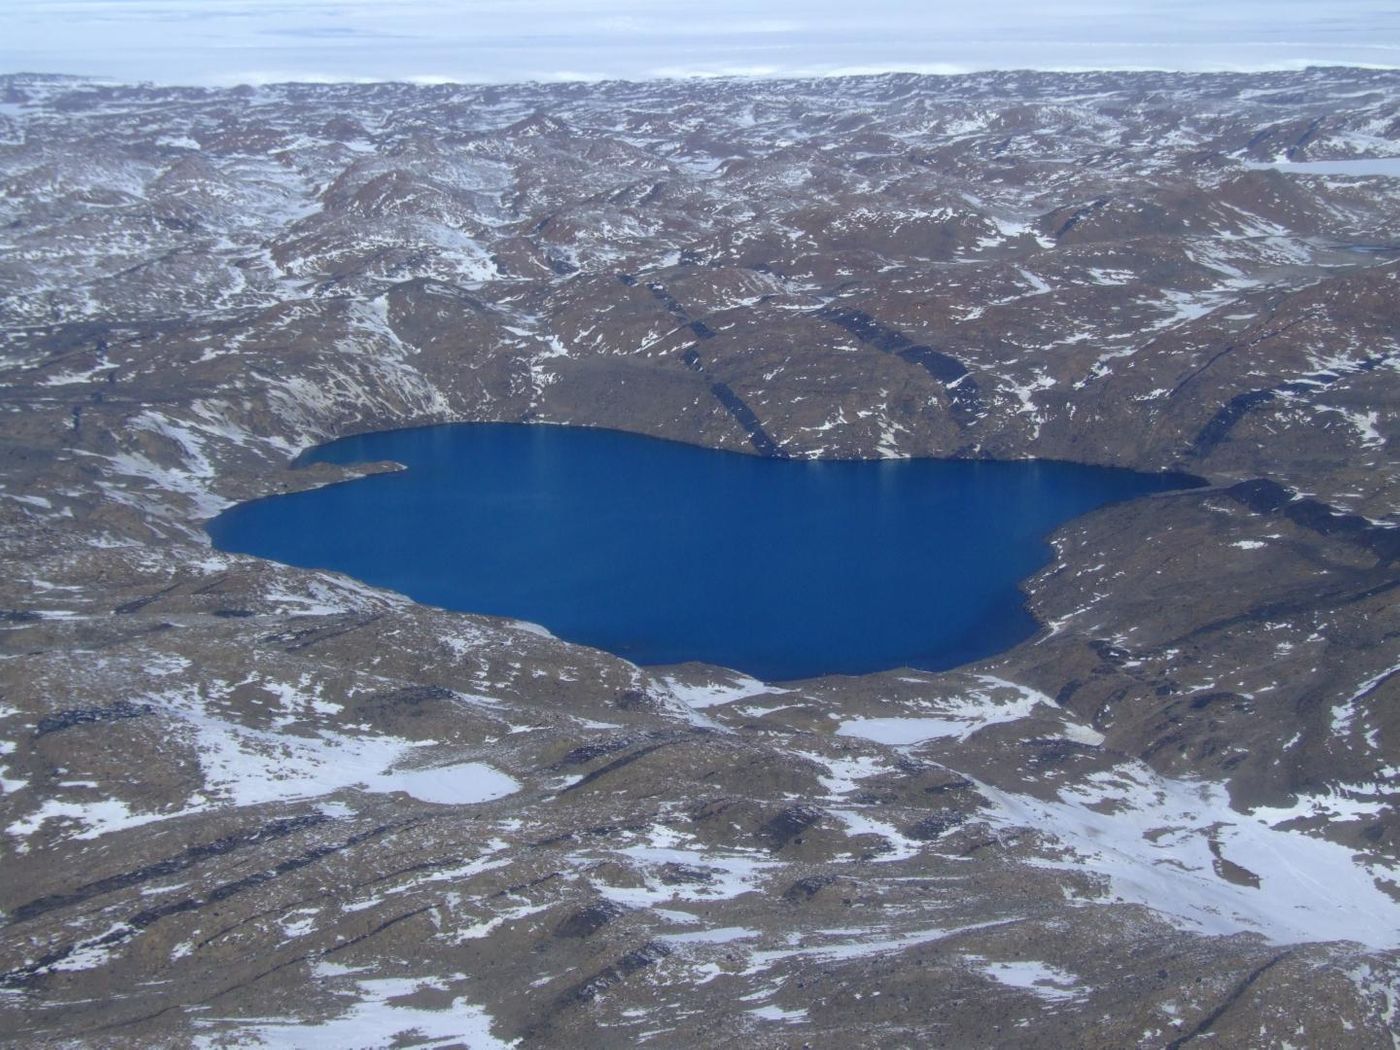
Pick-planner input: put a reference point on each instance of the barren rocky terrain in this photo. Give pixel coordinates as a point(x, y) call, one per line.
point(247, 805)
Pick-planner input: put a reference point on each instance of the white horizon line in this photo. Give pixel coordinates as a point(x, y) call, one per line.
point(274, 78)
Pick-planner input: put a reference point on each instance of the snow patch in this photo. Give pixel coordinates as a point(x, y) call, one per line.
point(958, 717)
point(700, 695)
point(1040, 979)
point(375, 1020)
point(1179, 849)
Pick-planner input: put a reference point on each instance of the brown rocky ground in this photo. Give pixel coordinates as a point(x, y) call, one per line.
point(1169, 817)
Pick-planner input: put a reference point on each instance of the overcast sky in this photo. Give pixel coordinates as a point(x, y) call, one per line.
point(251, 41)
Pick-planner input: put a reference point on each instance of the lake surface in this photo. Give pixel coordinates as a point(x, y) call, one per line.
point(662, 552)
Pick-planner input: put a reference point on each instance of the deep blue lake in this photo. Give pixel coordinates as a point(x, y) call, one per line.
point(663, 552)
